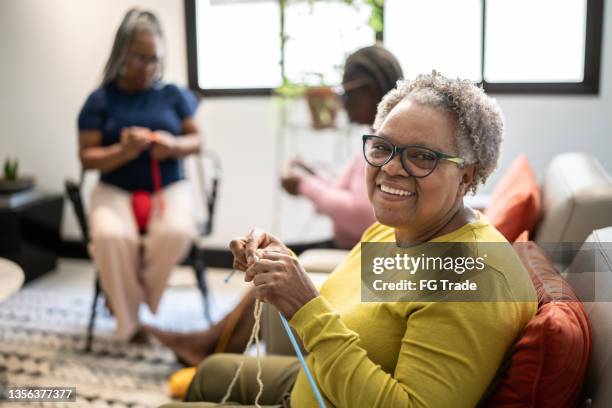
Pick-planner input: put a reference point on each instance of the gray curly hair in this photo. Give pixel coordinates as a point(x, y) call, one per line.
point(480, 124)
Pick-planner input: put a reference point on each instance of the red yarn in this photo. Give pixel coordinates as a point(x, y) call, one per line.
point(141, 207)
point(142, 201)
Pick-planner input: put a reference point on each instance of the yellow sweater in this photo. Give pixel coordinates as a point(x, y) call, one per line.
point(409, 354)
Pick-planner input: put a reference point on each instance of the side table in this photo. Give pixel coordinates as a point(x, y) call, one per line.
point(11, 278)
point(30, 230)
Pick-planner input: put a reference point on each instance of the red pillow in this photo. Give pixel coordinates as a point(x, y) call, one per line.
point(550, 360)
point(523, 237)
point(515, 202)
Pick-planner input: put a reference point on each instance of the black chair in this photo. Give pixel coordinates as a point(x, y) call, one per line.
point(195, 257)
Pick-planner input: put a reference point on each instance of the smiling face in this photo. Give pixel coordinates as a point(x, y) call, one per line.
point(419, 206)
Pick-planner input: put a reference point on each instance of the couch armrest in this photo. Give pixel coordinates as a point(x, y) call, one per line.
point(322, 260)
point(576, 199)
point(478, 202)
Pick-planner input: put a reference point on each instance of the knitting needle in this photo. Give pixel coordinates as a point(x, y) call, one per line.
point(300, 356)
point(229, 276)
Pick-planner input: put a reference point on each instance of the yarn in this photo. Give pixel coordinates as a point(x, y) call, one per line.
point(254, 337)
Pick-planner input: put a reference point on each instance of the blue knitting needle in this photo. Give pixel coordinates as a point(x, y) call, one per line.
point(229, 276)
point(300, 356)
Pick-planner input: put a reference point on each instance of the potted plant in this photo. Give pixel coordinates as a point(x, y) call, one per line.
point(323, 105)
point(10, 181)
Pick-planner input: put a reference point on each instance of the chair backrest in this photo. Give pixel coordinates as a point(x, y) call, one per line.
point(590, 274)
point(576, 199)
point(73, 191)
point(207, 163)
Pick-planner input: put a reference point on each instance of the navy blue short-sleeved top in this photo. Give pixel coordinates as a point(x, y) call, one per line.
point(161, 107)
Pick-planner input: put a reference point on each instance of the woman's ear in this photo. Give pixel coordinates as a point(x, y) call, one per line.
point(467, 177)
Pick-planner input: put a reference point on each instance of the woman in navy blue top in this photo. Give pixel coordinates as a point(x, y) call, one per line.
point(136, 130)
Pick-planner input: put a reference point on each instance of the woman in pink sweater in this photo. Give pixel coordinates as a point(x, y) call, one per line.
point(369, 74)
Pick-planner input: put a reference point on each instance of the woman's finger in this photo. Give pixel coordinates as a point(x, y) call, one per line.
point(277, 256)
point(261, 267)
point(263, 292)
point(237, 246)
point(265, 278)
point(254, 240)
point(239, 266)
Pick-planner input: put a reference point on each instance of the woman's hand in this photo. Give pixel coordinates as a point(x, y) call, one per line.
point(281, 281)
point(164, 145)
point(246, 248)
point(291, 183)
point(293, 175)
point(291, 179)
point(134, 140)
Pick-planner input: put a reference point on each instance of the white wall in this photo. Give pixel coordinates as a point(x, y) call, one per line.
point(52, 53)
point(51, 56)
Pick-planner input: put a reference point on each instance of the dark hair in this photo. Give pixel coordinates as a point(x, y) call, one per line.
point(375, 63)
point(135, 20)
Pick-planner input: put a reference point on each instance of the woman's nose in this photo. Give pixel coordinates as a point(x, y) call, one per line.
point(394, 167)
point(150, 69)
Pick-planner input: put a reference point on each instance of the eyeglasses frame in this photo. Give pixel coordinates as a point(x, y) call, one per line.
point(398, 150)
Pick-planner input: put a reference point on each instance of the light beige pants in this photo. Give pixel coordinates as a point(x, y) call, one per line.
point(127, 278)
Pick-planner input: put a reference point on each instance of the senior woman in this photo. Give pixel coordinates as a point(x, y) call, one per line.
point(135, 130)
point(436, 140)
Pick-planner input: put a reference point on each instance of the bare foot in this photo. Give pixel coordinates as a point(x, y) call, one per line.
point(190, 348)
point(108, 306)
point(140, 337)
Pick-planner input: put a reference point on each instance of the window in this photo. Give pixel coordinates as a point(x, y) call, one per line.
point(423, 38)
point(315, 55)
point(527, 43)
point(234, 46)
point(512, 46)
point(238, 44)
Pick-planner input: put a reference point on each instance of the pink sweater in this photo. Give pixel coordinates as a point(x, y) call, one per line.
point(344, 200)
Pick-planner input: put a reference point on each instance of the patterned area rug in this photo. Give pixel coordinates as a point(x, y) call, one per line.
point(42, 336)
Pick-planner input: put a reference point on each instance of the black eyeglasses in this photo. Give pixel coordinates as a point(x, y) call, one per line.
point(343, 91)
point(418, 161)
point(144, 61)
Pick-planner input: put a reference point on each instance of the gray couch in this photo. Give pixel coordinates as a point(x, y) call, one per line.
point(590, 274)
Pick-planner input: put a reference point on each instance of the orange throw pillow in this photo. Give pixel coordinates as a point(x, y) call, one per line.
point(523, 237)
point(515, 202)
point(550, 360)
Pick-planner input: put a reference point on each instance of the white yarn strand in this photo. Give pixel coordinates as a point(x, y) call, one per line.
point(254, 337)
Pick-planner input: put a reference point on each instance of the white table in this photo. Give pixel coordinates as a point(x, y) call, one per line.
point(11, 278)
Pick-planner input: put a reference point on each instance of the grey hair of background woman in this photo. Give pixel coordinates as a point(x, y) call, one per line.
point(480, 124)
point(135, 20)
